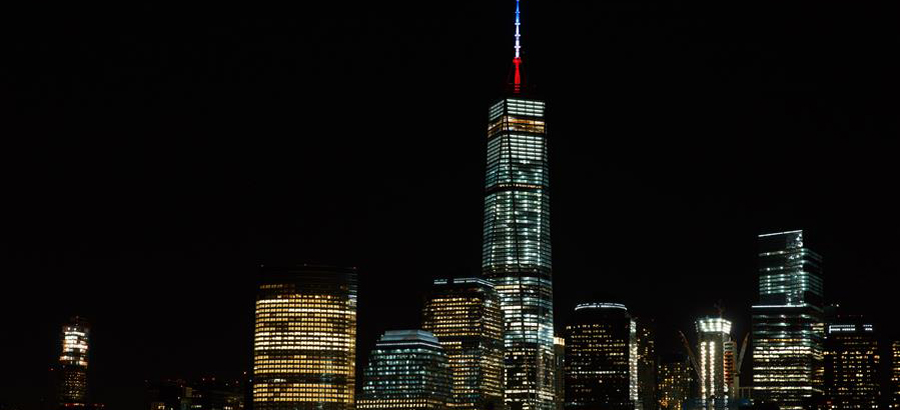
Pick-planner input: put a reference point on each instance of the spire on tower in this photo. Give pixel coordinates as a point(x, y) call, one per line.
point(517, 60)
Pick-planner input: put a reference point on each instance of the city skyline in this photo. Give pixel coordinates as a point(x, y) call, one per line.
point(153, 231)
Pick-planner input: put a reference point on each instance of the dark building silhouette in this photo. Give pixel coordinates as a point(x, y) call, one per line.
point(894, 385)
point(304, 345)
point(203, 394)
point(464, 314)
point(601, 358)
point(852, 364)
point(407, 370)
point(647, 362)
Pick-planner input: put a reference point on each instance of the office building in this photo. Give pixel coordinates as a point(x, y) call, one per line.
point(516, 247)
point(73, 364)
point(464, 314)
point(601, 358)
point(851, 364)
point(304, 346)
point(646, 343)
point(787, 328)
point(674, 382)
point(895, 375)
point(408, 370)
point(559, 349)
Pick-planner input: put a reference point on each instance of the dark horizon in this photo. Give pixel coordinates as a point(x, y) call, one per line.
point(158, 155)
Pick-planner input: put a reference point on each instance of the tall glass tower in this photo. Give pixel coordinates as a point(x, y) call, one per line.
point(788, 329)
point(516, 248)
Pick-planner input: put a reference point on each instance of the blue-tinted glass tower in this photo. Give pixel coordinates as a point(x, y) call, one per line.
point(788, 329)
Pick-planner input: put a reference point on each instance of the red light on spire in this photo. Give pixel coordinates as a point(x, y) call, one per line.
point(517, 77)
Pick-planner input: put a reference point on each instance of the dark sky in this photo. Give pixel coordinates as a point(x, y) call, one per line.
point(155, 154)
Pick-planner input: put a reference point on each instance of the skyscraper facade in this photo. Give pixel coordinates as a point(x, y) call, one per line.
point(851, 365)
point(559, 347)
point(73, 389)
point(464, 314)
point(673, 382)
point(407, 370)
point(895, 375)
point(787, 326)
point(601, 358)
point(646, 344)
point(304, 346)
point(516, 247)
point(714, 339)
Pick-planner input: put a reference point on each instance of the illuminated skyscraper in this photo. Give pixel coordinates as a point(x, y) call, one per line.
point(673, 382)
point(73, 389)
point(714, 340)
point(787, 323)
point(464, 314)
point(407, 370)
point(516, 249)
point(895, 375)
point(304, 346)
point(601, 358)
point(851, 365)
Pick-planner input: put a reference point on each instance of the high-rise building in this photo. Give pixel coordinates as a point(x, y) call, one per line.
point(407, 370)
point(304, 346)
point(713, 343)
point(895, 375)
point(73, 387)
point(559, 349)
point(601, 358)
point(788, 328)
point(851, 364)
point(516, 248)
point(673, 382)
point(646, 343)
point(464, 314)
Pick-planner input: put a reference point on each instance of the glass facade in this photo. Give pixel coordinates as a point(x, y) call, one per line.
point(714, 341)
point(601, 358)
point(408, 369)
point(304, 346)
point(674, 382)
point(73, 390)
point(851, 365)
point(464, 314)
point(516, 248)
point(787, 324)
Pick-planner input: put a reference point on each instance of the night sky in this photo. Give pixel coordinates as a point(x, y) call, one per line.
point(155, 154)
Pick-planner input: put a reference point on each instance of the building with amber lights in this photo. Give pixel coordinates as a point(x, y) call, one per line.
point(73, 383)
point(895, 375)
point(852, 365)
point(646, 342)
point(559, 348)
point(304, 345)
point(601, 358)
point(464, 314)
point(673, 382)
point(787, 324)
point(408, 370)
